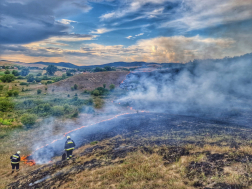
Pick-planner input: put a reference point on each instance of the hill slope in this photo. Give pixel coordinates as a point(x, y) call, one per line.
point(89, 81)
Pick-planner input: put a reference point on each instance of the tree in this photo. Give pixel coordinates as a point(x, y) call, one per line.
point(95, 93)
point(15, 93)
point(97, 69)
point(108, 68)
point(8, 78)
point(7, 72)
point(51, 69)
point(39, 91)
point(30, 78)
point(9, 93)
point(37, 79)
point(75, 86)
point(68, 73)
point(15, 73)
point(25, 71)
point(112, 87)
point(104, 85)
point(39, 74)
point(64, 76)
point(29, 119)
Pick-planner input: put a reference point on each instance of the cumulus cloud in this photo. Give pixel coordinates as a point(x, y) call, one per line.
point(129, 37)
point(66, 21)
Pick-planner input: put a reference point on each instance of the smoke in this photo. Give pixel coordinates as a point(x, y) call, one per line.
point(213, 87)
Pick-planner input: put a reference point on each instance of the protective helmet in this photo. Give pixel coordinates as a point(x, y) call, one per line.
point(18, 152)
point(68, 137)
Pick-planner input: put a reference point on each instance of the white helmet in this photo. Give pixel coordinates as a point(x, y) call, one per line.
point(18, 152)
point(68, 137)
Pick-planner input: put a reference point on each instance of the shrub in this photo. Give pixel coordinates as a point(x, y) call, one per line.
point(112, 87)
point(15, 73)
point(89, 101)
point(1, 87)
point(76, 94)
point(20, 77)
point(98, 103)
point(49, 82)
point(8, 78)
point(58, 110)
point(93, 143)
point(6, 106)
point(75, 87)
point(67, 109)
point(75, 114)
point(9, 93)
point(42, 108)
point(15, 93)
point(23, 83)
point(28, 119)
point(37, 79)
point(7, 72)
point(68, 95)
point(95, 93)
point(104, 85)
point(39, 74)
point(72, 88)
point(39, 91)
point(30, 78)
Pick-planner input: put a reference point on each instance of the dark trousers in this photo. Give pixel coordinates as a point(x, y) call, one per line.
point(69, 153)
point(16, 165)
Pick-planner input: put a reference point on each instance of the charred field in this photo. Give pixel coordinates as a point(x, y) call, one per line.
point(163, 150)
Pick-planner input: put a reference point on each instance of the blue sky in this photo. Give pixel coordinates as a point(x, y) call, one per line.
point(101, 31)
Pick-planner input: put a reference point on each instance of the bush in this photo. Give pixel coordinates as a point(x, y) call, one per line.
point(28, 119)
point(7, 72)
point(8, 78)
point(20, 77)
point(98, 103)
point(1, 87)
point(75, 114)
point(37, 79)
point(72, 88)
point(15, 73)
point(25, 71)
point(75, 87)
point(39, 74)
point(23, 83)
point(112, 87)
point(95, 93)
point(39, 91)
point(93, 143)
point(68, 95)
point(42, 108)
point(9, 93)
point(49, 82)
point(104, 85)
point(30, 78)
point(6, 106)
point(15, 93)
point(58, 110)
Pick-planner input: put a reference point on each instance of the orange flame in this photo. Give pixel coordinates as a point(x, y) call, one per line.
point(27, 162)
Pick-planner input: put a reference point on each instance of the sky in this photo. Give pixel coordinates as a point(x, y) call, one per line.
point(93, 32)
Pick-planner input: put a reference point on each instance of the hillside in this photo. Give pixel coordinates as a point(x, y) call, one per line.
point(89, 81)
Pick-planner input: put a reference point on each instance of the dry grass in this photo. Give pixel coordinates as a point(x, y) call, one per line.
point(138, 171)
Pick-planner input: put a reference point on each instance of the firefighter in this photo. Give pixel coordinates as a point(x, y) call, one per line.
point(15, 159)
point(69, 147)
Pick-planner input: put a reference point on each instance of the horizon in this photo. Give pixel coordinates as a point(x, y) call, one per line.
point(101, 32)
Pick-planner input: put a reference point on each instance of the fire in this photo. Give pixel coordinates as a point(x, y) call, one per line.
point(27, 162)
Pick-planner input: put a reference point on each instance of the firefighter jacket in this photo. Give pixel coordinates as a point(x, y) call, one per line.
point(15, 159)
point(69, 145)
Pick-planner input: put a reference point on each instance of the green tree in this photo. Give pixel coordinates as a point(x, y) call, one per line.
point(29, 119)
point(25, 71)
point(39, 74)
point(39, 91)
point(8, 78)
point(75, 86)
point(7, 72)
point(15, 93)
point(108, 68)
point(51, 69)
point(9, 93)
point(68, 73)
point(37, 79)
point(64, 76)
point(112, 87)
point(95, 93)
point(58, 110)
point(1, 87)
point(30, 78)
point(15, 73)
point(97, 69)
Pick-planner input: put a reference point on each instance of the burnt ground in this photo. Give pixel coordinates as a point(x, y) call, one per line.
point(169, 136)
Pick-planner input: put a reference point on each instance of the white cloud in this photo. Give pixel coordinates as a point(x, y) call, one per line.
point(66, 21)
point(101, 31)
point(139, 34)
point(198, 14)
point(129, 37)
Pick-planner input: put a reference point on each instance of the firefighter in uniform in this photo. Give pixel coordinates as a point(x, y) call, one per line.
point(15, 159)
point(69, 147)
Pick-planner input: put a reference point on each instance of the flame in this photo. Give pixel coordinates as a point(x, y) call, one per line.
point(27, 162)
point(32, 162)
